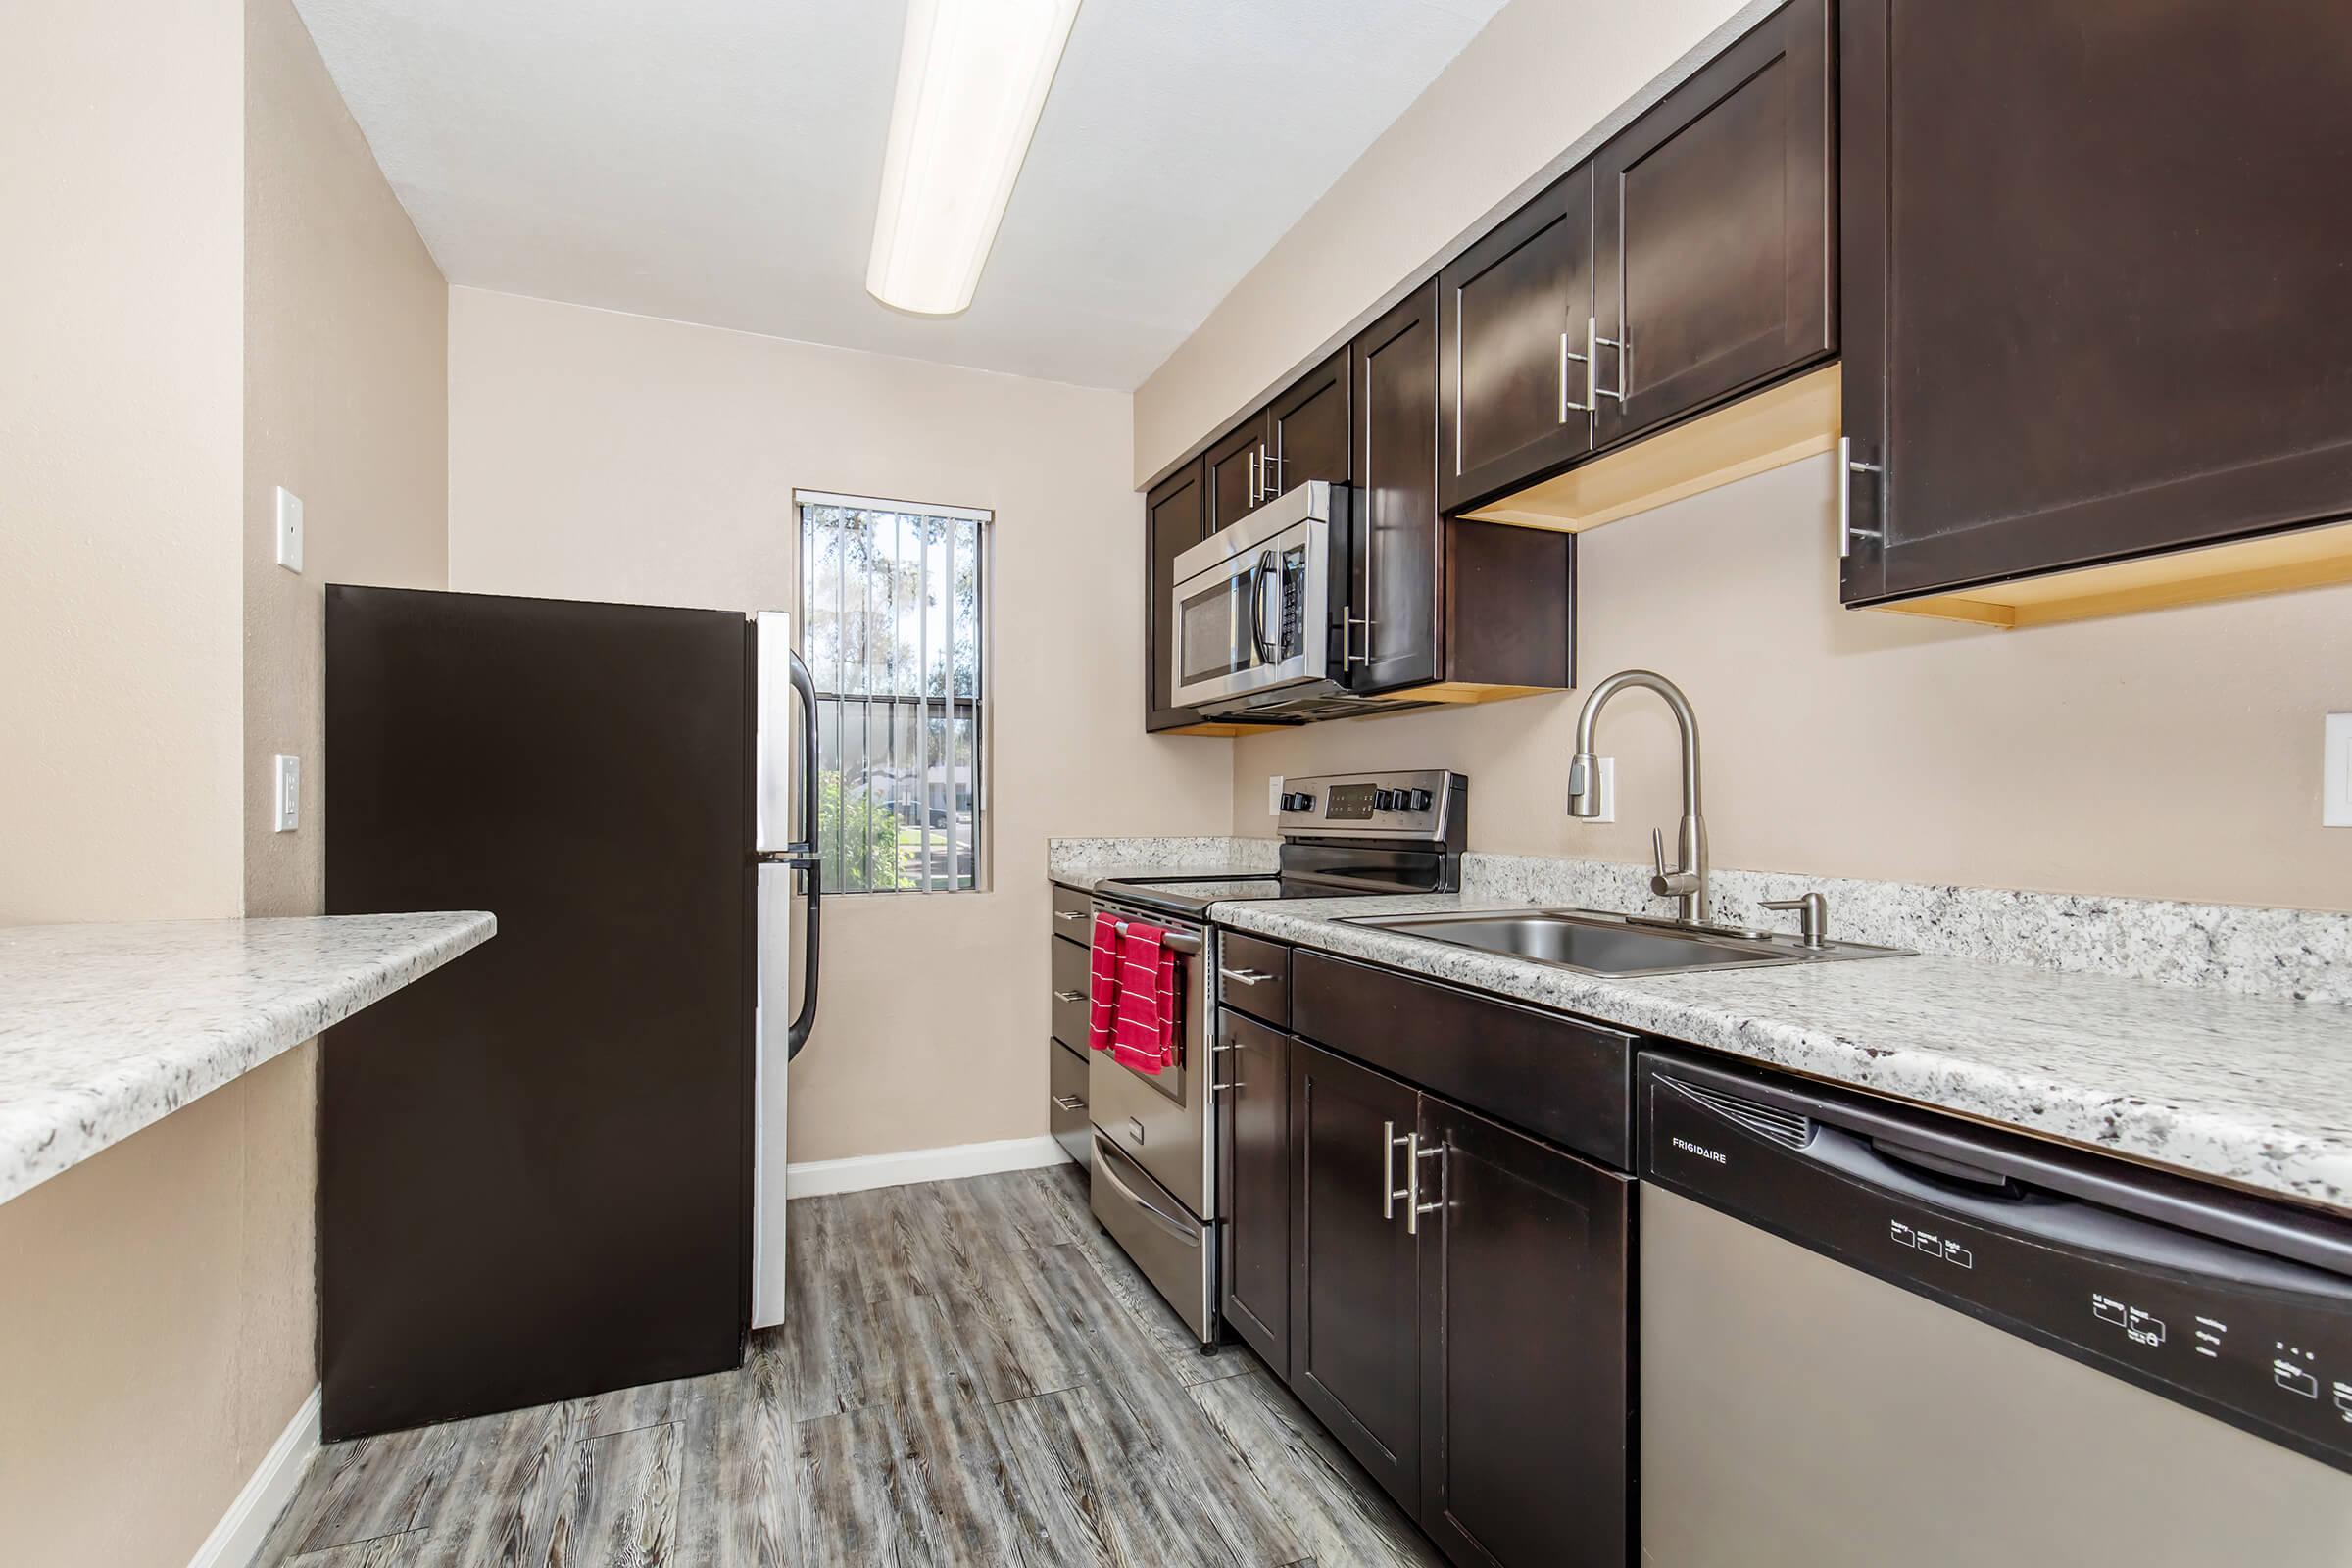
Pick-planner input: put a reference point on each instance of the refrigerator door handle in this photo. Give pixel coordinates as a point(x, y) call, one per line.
point(804, 857)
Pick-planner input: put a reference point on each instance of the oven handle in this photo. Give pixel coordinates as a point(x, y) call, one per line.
point(1259, 574)
point(1108, 1170)
point(1172, 940)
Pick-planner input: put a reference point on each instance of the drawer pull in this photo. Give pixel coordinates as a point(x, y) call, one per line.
point(1245, 977)
point(1221, 1088)
point(1069, 914)
point(1068, 1103)
point(1069, 995)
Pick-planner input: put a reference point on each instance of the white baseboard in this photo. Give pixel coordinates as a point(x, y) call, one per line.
point(238, 1536)
point(816, 1177)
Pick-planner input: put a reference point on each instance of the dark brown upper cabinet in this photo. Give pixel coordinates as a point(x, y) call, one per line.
point(1175, 515)
point(1475, 608)
point(1714, 223)
point(1398, 539)
point(1512, 362)
point(2095, 280)
point(1234, 464)
point(1308, 431)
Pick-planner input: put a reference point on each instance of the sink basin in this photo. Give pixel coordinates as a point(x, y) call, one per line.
point(1598, 943)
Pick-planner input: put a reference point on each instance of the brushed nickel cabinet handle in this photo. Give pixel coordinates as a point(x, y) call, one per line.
point(1247, 977)
point(1069, 995)
point(1388, 1190)
point(1414, 1209)
point(1068, 1103)
point(1069, 914)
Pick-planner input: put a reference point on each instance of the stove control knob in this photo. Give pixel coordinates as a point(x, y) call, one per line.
point(1387, 799)
point(1297, 801)
point(1417, 800)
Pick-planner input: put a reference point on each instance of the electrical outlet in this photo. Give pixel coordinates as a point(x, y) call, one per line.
point(2335, 776)
point(1274, 795)
point(289, 529)
point(289, 793)
point(1609, 790)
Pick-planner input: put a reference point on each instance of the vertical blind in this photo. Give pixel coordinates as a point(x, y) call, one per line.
point(892, 599)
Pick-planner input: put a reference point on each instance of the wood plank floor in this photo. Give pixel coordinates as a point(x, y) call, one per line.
point(973, 1374)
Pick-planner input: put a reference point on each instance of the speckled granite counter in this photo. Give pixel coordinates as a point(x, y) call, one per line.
point(106, 1028)
point(1081, 863)
point(2247, 1089)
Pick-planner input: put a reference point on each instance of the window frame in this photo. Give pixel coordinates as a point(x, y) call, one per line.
point(945, 706)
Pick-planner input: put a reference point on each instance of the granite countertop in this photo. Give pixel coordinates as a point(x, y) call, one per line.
point(106, 1028)
point(2247, 1089)
point(1080, 864)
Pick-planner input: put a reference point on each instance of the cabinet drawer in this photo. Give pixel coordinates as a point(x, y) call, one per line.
point(1071, 973)
point(1066, 1110)
point(1254, 976)
point(1558, 1078)
point(1072, 910)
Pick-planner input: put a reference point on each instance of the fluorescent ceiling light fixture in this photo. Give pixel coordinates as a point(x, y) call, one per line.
point(973, 77)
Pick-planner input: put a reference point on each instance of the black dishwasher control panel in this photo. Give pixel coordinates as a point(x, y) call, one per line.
point(2202, 1297)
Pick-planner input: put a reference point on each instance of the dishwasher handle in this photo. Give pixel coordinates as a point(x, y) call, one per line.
point(1956, 1185)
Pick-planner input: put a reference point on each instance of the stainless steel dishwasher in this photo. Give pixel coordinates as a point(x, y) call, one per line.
point(1873, 1336)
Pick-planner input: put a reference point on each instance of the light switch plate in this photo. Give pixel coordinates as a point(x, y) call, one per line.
point(2336, 778)
point(289, 793)
point(1274, 795)
point(289, 529)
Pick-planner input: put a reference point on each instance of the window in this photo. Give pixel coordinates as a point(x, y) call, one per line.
point(894, 601)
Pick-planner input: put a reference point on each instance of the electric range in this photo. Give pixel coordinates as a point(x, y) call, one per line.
point(1154, 1154)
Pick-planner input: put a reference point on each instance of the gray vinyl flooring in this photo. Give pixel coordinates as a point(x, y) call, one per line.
point(972, 1374)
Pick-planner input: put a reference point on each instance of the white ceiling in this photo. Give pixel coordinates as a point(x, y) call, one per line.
point(718, 161)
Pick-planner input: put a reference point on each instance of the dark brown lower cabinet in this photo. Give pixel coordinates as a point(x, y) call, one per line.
point(1525, 1377)
point(1355, 1285)
point(1254, 1144)
point(1459, 1316)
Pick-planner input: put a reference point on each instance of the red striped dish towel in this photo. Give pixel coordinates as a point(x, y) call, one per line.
point(1103, 982)
point(1143, 1028)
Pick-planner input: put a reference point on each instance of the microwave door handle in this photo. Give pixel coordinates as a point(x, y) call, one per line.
point(1259, 575)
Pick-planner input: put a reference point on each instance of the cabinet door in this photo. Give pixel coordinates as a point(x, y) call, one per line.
point(1173, 517)
point(1307, 428)
point(1714, 223)
point(1254, 1146)
point(1525, 1377)
point(1396, 548)
point(1512, 310)
point(2107, 315)
point(1354, 1295)
point(1235, 464)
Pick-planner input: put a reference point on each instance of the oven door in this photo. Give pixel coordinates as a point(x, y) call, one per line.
point(1160, 1120)
point(1251, 608)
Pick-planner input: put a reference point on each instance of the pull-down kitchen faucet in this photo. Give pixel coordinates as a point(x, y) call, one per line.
point(1687, 883)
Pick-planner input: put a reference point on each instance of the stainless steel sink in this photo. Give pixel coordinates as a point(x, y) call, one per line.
point(1594, 942)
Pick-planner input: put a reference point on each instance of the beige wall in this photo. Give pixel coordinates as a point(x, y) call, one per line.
point(2169, 755)
point(595, 455)
point(120, 362)
point(222, 282)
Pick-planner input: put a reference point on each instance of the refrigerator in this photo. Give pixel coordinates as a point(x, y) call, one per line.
point(557, 1166)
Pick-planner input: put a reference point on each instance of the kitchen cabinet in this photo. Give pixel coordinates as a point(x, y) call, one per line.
point(1254, 1149)
point(1714, 231)
point(1308, 431)
point(2105, 318)
point(1354, 1280)
point(1463, 609)
point(1512, 316)
point(1526, 1350)
point(1235, 463)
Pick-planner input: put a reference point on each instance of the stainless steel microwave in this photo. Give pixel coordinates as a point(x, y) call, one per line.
point(1251, 608)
